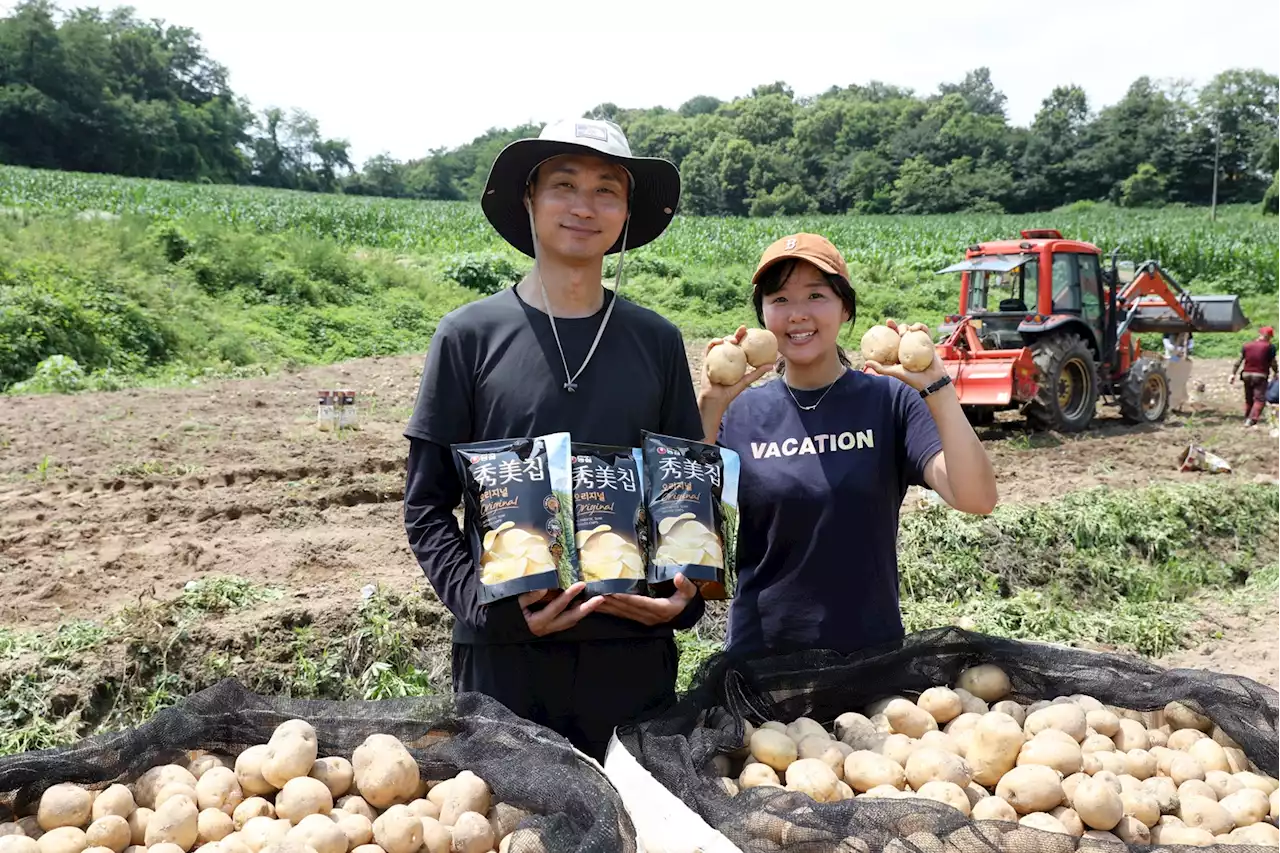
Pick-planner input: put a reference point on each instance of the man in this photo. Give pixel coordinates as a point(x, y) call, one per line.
point(556, 352)
point(1259, 360)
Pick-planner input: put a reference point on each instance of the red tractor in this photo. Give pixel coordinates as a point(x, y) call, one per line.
point(1046, 329)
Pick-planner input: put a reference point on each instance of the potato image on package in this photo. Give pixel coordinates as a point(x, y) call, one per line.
point(519, 513)
point(692, 502)
point(608, 507)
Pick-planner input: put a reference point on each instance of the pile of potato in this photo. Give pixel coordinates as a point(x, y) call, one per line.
point(1071, 765)
point(278, 797)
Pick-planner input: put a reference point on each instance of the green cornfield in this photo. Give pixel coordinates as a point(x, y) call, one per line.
point(1239, 250)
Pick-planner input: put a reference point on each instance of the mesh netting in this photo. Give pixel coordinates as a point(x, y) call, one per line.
point(679, 747)
point(527, 766)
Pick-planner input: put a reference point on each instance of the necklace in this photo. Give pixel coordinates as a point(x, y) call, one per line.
point(820, 399)
point(572, 384)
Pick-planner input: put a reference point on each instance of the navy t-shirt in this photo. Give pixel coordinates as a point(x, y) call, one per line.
point(820, 492)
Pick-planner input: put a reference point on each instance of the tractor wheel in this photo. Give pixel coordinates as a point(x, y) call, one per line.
point(1144, 394)
point(1068, 393)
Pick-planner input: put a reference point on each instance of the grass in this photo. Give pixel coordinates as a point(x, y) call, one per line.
point(195, 283)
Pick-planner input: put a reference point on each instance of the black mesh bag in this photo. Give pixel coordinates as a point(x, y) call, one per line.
point(526, 765)
point(679, 747)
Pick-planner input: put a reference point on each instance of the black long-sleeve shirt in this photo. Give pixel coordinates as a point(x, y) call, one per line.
point(493, 371)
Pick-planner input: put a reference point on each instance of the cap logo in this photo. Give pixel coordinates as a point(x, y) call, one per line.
point(791, 243)
point(590, 132)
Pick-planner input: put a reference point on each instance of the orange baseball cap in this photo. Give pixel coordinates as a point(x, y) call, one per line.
point(814, 248)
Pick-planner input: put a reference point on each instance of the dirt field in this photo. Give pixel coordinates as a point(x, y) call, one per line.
point(109, 499)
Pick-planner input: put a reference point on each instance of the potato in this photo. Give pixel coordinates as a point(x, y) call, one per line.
point(302, 796)
point(1069, 786)
point(206, 761)
point(1223, 784)
point(110, 831)
point(1142, 764)
point(930, 764)
point(219, 788)
point(880, 344)
point(1182, 835)
point(1111, 779)
point(963, 723)
point(773, 748)
point(1157, 737)
point(215, 825)
point(854, 729)
point(164, 847)
point(881, 722)
point(472, 834)
point(941, 703)
point(1181, 716)
point(1265, 784)
point(993, 751)
point(962, 742)
point(1132, 830)
point(249, 771)
point(993, 808)
point(1236, 760)
point(1099, 805)
point(726, 365)
point(436, 838)
point(1274, 799)
point(1164, 792)
point(385, 772)
point(174, 822)
point(1065, 717)
point(357, 828)
point(1069, 820)
point(1066, 758)
point(1204, 813)
point(755, 775)
point(260, 832)
point(813, 777)
point(775, 726)
point(175, 789)
point(1246, 806)
point(803, 727)
point(986, 681)
point(909, 719)
point(115, 800)
point(940, 740)
point(398, 831)
point(373, 848)
point(63, 839)
point(1097, 743)
point(1196, 788)
point(335, 772)
point(152, 781)
point(64, 804)
point(504, 819)
point(18, 844)
point(760, 347)
point(865, 770)
point(1182, 739)
point(899, 748)
point(1030, 788)
point(9, 828)
point(1183, 768)
point(357, 805)
point(101, 850)
point(830, 752)
point(251, 808)
point(915, 352)
point(290, 754)
point(232, 843)
point(1012, 708)
point(971, 704)
point(320, 833)
point(1210, 754)
point(946, 792)
point(1141, 805)
point(1261, 834)
point(1132, 735)
point(138, 821)
point(1043, 822)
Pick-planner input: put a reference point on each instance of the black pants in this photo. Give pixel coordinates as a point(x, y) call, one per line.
point(581, 690)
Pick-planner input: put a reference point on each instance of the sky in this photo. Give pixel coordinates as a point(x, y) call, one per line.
point(403, 77)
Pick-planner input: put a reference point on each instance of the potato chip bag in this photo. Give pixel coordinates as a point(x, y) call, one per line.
point(692, 501)
point(609, 518)
point(519, 513)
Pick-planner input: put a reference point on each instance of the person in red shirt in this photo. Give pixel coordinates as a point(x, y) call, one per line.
point(1259, 360)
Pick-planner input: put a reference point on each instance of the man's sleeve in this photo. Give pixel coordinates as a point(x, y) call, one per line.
point(919, 440)
point(441, 417)
point(680, 415)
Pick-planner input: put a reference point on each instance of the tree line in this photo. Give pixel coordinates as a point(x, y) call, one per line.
point(97, 92)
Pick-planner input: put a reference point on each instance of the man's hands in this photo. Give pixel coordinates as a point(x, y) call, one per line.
point(559, 614)
point(650, 611)
point(918, 381)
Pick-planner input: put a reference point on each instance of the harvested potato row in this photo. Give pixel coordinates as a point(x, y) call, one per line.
point(285, 797)
point(1069, 765)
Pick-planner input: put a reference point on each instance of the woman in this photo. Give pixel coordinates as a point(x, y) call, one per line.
point(827, 454)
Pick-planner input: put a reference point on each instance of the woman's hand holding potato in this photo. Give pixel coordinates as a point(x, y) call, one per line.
point(914, 361)
point(729, 361)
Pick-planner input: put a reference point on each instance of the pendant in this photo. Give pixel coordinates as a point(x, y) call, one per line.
point(570, 387)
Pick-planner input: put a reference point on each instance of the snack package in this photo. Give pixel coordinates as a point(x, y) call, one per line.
point(609, 518)
point(519, 513)
point(692, 501)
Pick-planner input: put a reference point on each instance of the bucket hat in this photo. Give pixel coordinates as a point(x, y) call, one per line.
point(654, 190)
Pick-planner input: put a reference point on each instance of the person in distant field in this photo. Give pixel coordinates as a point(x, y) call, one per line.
point(827, 453)
point(1177, 354)
point(557, 352)
point(1258, 359)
